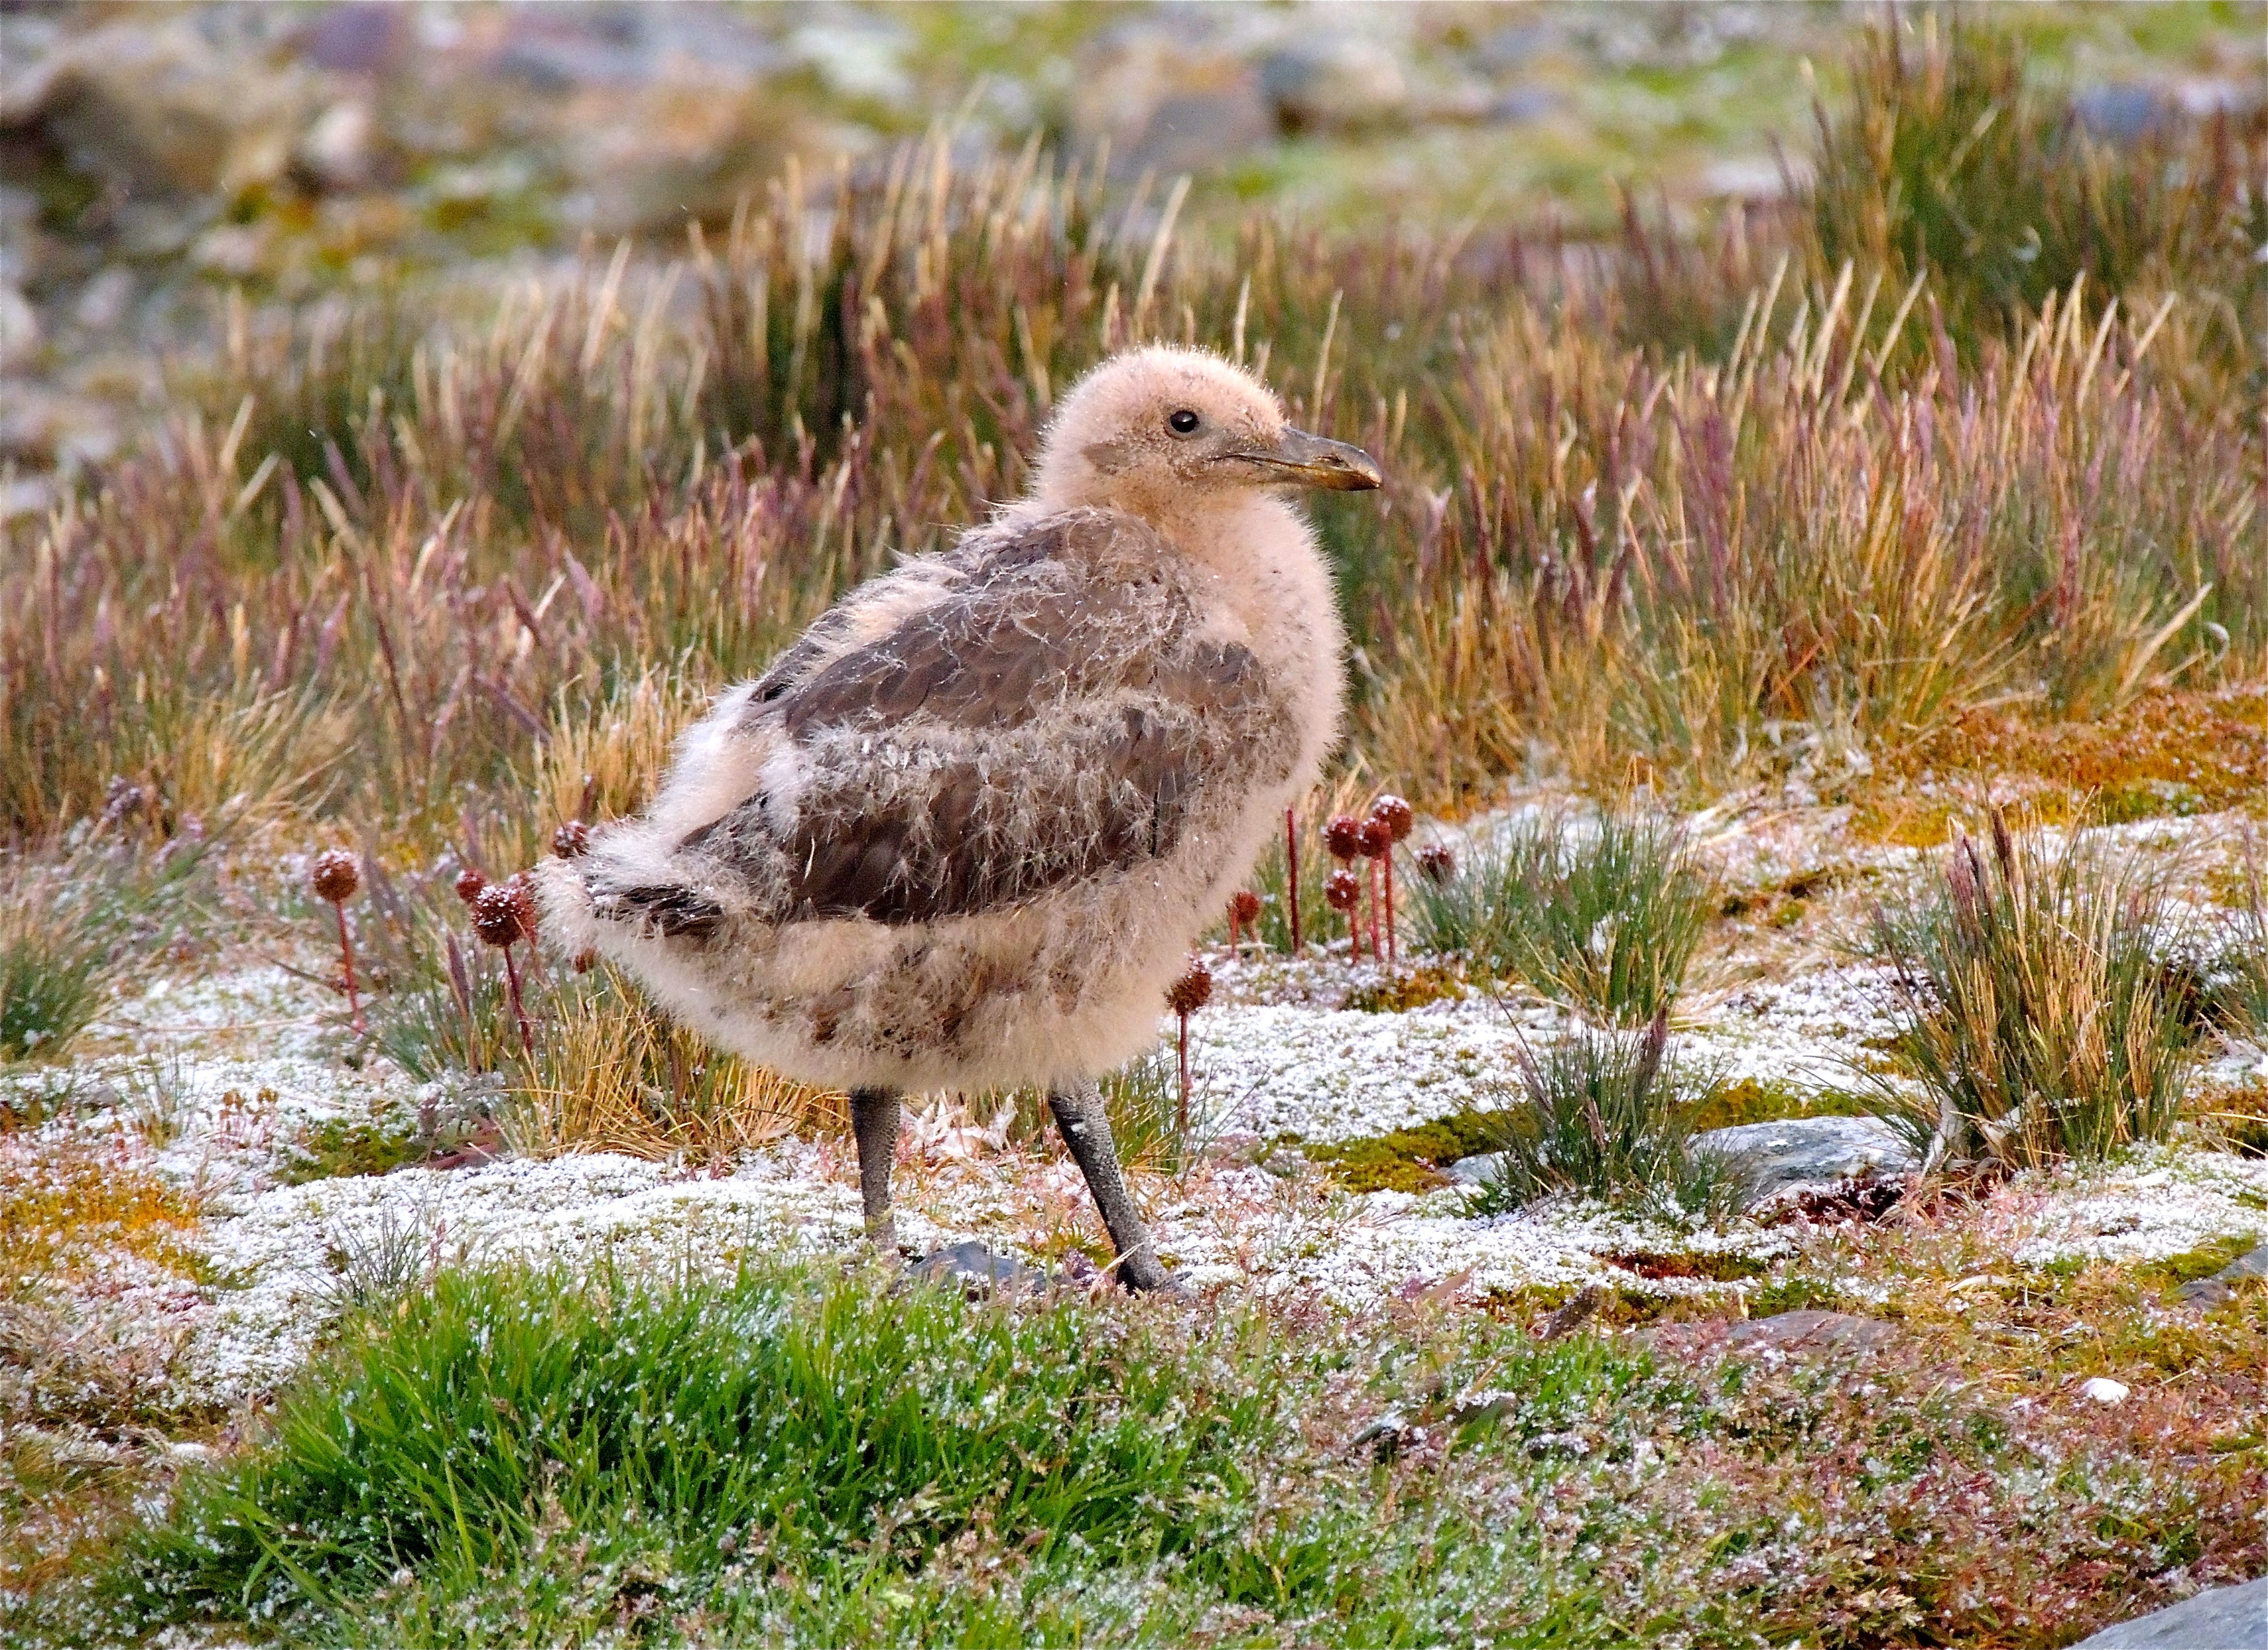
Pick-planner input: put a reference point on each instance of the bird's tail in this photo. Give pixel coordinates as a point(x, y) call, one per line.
point(616, 892)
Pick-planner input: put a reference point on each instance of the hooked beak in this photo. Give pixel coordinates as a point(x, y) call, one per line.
point(1312, 461)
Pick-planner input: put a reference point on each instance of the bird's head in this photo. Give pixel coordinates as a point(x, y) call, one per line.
point(1156, 429)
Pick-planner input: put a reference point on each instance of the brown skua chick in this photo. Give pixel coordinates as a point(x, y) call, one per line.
point(964, 832)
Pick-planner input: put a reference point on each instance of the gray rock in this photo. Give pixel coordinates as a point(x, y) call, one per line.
point(1812, 1331)
point(1476, 1169)
point(979, 1271)
point(1811, 1150)
point(1335, 82)
point(2221, 1619)
point(2223, 1284)
point(1168, 105)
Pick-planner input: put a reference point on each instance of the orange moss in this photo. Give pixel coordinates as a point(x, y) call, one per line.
point(2168, 752)
point(77, 1200)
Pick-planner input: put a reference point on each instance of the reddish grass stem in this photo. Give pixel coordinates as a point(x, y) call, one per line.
point(1181, 1114)
point(346, 951)
point(519, 1007)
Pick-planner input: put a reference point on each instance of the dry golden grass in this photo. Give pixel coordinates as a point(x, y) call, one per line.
point(611, 1074)
point(603, 758)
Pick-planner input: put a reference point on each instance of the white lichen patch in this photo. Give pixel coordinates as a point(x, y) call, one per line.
point(288, 1254)
point(2157, 1203)
point(1815, 1030)
point(1327, 1075)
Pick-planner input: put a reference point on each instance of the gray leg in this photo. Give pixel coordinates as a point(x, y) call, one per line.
point(874, 1121)
point(1087, 1131)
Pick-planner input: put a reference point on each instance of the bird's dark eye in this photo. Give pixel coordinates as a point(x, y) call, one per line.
point(1181, 423)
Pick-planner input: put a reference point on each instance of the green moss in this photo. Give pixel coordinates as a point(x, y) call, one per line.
point(2203, 1262)
point(1755, 1100)
point(2150, 798)
point(339, 1146)
point(1411, 1159)
point(1796, 1295)
point(1414, 990)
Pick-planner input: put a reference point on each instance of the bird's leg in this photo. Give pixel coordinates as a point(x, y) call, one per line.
point(874, 1121)
point(1085, 1128)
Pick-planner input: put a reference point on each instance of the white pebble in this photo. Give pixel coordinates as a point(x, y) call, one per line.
point(2102, 1389)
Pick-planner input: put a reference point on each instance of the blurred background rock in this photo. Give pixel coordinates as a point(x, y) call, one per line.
point(158, 161)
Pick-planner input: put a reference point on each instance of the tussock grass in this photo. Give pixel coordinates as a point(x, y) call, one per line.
point(1803, 558)
point(1608, 1115)
point(1781, 500)
point(1947, 158)
point(1603, 913)
point(72, 925)
point(610, 1073)
point(2243, 999)
point(56, 970)
point(2031, 1005)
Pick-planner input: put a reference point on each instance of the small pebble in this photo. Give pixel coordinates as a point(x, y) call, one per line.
point(2102, 1389)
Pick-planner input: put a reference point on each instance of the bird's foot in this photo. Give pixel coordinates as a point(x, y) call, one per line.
point(1142, 1273)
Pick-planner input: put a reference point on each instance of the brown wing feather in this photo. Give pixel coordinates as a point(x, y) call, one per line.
point(1055, 719)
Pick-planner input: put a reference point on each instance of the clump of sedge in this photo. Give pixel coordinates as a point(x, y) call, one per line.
point(336, 879)
point(1189, 993)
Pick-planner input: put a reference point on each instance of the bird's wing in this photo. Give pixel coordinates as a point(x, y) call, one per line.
point(1056, 715)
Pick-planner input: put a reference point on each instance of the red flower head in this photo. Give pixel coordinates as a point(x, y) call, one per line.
point(470, 884)
point(335, 876)
point(1396, 814)
point(1344, 836)
point(1192, 991)
point(571, 840)
point(1438, 862)
point(1244, 906)
point(496, 916)
point(1341, 889)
